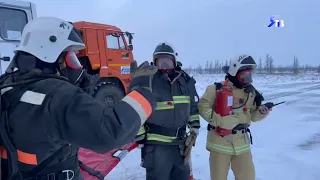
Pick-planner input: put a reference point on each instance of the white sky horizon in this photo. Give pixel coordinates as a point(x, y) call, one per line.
point(205, 29)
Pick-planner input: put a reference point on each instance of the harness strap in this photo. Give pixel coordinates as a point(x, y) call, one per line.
point(44, 164)
point(242, 128)
point(65, 170)
point(91, 171)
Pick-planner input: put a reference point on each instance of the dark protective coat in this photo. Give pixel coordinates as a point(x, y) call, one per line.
point(177, 107)
point(46, 116)
point(165, 131)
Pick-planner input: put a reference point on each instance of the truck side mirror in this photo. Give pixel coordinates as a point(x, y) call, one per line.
point(5, 58)
point(130, 47)
point(179, 64)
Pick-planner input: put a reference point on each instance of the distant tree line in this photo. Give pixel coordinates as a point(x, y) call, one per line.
point(264, 66)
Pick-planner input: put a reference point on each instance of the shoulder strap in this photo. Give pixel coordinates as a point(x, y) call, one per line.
point(39, 168)
point(4, 133)
point(13, 96)
point(258, 98)
point(91, 171)
point(218, 85)
point(12, 155)
point(188, 78)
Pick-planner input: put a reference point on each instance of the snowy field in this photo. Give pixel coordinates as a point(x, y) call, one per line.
point(286, 145)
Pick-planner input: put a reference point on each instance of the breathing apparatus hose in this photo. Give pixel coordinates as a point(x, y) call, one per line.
point(243, 103)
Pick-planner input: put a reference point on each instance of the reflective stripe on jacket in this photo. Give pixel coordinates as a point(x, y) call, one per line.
point(177, 107)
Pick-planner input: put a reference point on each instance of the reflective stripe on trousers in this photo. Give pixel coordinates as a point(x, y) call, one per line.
point(228, 149)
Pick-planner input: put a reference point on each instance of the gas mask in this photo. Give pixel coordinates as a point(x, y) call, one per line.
point(245, 77)
point(70, 66)
point(165, 63)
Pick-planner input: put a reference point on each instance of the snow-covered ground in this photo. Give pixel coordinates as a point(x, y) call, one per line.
point(286, 145)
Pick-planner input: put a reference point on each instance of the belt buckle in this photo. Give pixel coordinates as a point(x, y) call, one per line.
point(67, 171)
point(120, 153)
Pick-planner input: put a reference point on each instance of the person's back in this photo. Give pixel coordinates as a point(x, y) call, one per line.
point(45, 117)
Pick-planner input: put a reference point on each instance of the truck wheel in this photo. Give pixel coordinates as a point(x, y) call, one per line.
point(108, 94)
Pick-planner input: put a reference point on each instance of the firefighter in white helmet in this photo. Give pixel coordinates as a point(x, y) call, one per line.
point(45, 117)
point(229, 108)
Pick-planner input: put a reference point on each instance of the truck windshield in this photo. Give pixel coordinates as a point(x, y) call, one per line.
point(12, 22)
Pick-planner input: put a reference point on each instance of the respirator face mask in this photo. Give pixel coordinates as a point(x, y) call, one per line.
point(72, 60)
point(245, 77)
point(70, 66)
point(165, 63)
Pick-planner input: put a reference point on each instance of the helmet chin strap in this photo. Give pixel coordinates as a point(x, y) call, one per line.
point(73, 75)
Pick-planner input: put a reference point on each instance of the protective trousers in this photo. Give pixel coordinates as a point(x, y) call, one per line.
point(164, 162)
point(241, 165)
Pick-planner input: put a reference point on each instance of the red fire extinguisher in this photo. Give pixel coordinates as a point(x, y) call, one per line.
point(224, 101)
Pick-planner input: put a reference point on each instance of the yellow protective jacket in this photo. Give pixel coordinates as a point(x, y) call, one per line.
point(233, 144)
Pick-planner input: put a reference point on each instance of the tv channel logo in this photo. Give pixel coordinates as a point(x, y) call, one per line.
point(276, 21)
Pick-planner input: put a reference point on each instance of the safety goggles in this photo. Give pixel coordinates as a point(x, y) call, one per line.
point(72, 60)
point(245, 76)
point(164, 62)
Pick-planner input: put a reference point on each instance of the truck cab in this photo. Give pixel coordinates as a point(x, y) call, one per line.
point(107, 57)
point(14, 15)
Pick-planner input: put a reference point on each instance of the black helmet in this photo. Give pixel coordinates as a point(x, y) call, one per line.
point(167, 53)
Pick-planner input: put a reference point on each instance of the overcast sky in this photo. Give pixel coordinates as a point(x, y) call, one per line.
point(204, 30)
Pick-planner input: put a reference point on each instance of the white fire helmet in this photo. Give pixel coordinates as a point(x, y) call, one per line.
point(240, 63)
point(47, 37)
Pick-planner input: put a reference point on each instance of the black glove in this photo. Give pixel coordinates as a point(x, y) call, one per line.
point(142, 75)
point(258, 99)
